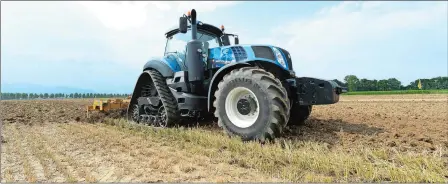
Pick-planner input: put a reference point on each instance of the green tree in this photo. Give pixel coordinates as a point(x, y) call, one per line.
point(352, 82)
point(382, 85)
point(393, 84)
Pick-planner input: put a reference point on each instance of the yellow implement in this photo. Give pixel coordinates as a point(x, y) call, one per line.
point(107, 105)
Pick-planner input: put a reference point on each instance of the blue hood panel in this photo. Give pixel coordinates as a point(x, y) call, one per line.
point(221, 56)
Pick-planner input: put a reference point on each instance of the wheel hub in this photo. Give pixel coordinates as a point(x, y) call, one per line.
point(242, 107)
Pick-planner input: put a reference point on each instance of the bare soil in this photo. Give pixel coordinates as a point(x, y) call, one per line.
point(404, 125)
point(30, 112)
point(53, 140)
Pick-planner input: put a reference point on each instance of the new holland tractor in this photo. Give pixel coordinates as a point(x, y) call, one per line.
point(251, 89)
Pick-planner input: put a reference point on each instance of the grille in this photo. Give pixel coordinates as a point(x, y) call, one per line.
point(263, 52)
point(239, 53)
point(288, 58)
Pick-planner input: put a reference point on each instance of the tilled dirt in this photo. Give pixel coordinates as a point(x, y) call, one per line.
point(404, 125)
point(52, 111)
point(40, 111)
point(47, 140)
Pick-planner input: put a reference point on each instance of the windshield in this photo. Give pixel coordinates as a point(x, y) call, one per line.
point(178, 42)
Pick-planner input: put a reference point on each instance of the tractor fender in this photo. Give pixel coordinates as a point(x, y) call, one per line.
point(217, 78)
point(160, 66)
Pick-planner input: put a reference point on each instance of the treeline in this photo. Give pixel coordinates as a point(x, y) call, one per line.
point(11, 96)
point(353, 83)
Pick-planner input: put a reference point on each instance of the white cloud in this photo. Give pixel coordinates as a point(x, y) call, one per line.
point(120, 15)
point(128, 15)
point(203, 6)
point(344, 33)
point(100, 31)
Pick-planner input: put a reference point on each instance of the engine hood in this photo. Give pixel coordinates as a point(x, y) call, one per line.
point(220, 56)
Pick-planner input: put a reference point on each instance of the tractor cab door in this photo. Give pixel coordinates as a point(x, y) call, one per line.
point(176, 47)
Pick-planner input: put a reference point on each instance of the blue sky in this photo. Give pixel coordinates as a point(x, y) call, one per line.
point(103, 45)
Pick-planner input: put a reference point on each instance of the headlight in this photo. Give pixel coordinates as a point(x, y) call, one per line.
point(279, 57)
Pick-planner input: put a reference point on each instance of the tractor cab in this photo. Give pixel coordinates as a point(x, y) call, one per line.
point(176, 43)
point(209, 35)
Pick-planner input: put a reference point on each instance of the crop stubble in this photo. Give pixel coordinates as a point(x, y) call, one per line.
point(56, 144)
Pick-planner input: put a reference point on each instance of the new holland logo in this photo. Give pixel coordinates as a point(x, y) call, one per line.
point(221, 62)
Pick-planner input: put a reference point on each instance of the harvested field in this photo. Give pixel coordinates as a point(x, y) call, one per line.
point(362, 138)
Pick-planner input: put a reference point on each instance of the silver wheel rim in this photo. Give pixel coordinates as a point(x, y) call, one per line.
point(231, 106)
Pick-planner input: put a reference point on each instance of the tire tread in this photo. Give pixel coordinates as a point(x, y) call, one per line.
point(277, 95)
point(167, 98)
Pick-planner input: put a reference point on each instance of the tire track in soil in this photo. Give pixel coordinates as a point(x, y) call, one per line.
point(36, 169)
point(79, 148)
point(6, 173)
point(20, 147)
point(162, 163)
point(106, 171)
point(52, 171)
point(106, 177)
point(63, 158)
point(60, 170)
point(144, 160)
point(116, 153)
point(11, 165)
point(45, 162)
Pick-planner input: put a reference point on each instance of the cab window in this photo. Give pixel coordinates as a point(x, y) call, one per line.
point(177, 43)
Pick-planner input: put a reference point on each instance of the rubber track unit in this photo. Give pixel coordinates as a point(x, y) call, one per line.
point(167, 98)
point(280, 103)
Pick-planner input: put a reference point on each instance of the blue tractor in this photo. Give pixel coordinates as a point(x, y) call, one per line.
point(251, 89)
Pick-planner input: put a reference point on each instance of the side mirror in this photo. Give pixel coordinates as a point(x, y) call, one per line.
point(237, 40)
point(183, 24)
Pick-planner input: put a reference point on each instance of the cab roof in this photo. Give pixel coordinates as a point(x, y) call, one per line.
point(201, 26)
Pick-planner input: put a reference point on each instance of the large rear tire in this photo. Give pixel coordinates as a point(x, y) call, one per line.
point(299, 113)
point(252, 104)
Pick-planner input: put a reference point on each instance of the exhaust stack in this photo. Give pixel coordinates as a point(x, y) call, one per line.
point(194, 58)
